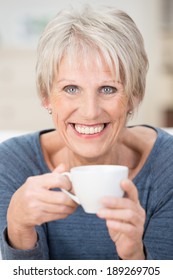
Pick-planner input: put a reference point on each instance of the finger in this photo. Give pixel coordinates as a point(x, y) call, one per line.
point(121, 227)
point(56, 198)
point(60, 168)
point(130, 190)
point(127, 216)
point(50, 181)
point(118, 203)
point(48, 217)
point(57, 209)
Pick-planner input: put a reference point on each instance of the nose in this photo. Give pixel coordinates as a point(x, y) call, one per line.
point(90, 108)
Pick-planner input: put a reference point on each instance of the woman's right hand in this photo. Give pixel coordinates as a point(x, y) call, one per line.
point(35, 203)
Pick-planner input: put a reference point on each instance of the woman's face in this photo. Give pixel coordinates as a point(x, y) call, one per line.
point(89, 107)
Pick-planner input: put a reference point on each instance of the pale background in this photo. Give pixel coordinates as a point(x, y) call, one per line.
point(21, 23)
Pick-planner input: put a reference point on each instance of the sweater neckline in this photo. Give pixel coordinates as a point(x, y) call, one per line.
point(145, 167)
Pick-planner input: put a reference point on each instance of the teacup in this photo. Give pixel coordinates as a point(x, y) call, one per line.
point(93, 182)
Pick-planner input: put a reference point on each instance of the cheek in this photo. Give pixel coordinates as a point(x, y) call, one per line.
point(61, 109)
point(57, 103)
point(123, 102)
point(119, 107)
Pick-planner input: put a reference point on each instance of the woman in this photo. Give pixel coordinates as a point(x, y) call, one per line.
point(91, 73)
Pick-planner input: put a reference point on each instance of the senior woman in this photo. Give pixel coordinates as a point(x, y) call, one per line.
point(91, 73)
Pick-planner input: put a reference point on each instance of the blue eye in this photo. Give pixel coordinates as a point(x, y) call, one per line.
point(71, 89)
point(108, 90)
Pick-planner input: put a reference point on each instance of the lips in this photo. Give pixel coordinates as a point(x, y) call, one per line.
point(89, 129)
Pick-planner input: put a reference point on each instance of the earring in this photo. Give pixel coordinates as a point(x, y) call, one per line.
point(49, 111)
point(130, 112)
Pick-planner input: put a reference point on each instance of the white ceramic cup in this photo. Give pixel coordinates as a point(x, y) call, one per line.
point(93, 182)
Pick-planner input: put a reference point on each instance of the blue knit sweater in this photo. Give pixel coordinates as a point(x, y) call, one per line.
point(81, 235)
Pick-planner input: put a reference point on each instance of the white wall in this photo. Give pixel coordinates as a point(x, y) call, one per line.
point(20, 107)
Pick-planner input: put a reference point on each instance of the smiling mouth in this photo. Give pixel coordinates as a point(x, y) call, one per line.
point(89, 129)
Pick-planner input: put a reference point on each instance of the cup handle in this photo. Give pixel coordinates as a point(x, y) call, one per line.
point(72, 196)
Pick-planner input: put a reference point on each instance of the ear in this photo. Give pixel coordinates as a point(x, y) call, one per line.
point(45, 102)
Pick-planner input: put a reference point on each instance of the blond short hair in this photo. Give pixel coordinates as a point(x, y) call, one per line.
point(109, 33)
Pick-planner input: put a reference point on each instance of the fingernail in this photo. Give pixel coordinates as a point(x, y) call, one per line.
point(60, 168)
point(100, 213)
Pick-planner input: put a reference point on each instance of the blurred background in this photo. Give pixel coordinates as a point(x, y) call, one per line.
point(21, 23)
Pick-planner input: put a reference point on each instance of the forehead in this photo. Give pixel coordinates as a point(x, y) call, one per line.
point(85, 66)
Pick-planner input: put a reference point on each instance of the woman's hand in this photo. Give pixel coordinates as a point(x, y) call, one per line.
point(125, 220)
point(36, 202)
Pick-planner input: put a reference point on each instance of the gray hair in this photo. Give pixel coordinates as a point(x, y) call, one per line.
point(107, 33)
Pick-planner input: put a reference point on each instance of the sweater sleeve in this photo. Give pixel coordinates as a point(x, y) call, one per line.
point(15, 168)
point(158, 234)
point(155, 189)
point(9, 253)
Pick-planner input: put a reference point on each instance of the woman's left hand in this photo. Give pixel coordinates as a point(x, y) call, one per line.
point(125, 220)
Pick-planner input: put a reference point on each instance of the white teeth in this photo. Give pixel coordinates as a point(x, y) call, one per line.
point(83, 129)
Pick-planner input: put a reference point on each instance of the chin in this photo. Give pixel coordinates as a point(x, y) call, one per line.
point(91, 154)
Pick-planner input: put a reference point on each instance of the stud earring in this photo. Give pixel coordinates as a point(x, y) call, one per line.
point(49, 111)
point(130, 112)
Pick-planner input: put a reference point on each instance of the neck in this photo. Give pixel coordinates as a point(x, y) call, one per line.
point(76, 160)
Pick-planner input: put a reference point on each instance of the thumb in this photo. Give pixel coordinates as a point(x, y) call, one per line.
point(60, 168)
